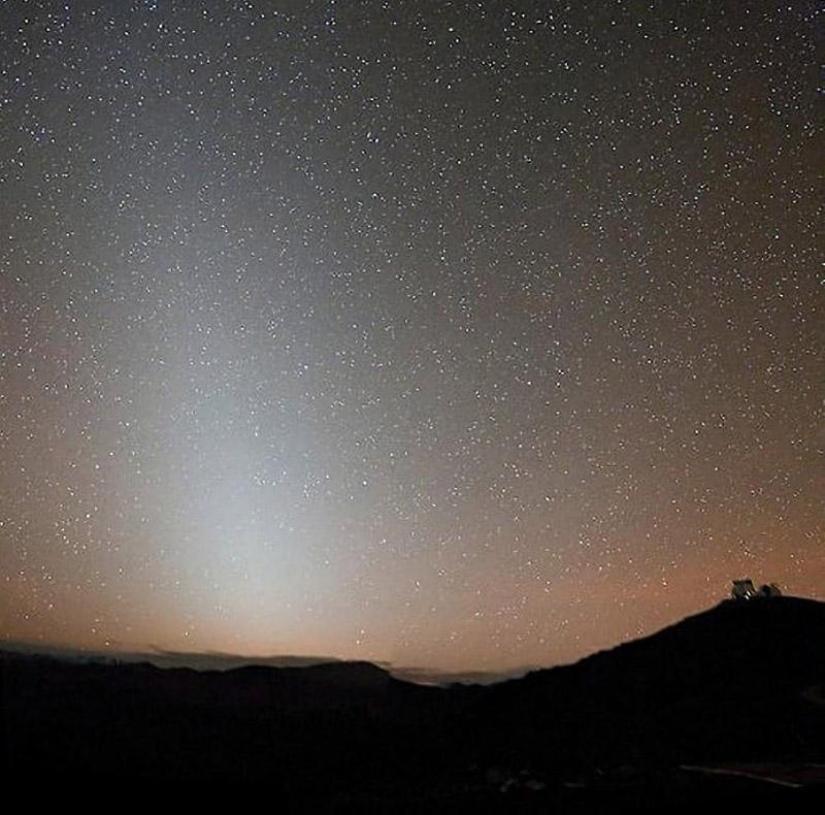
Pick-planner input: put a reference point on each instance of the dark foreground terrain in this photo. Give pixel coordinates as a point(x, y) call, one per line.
point(727, 706)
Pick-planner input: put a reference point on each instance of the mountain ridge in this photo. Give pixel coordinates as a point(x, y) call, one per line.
point(740, 682)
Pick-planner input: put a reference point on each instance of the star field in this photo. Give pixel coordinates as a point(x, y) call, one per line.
point(451, 334)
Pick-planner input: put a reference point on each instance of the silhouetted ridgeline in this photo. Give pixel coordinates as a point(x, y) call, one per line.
point(739, 687)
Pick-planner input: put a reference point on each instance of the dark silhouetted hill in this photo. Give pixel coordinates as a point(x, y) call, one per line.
point(741, 684)
point(736, 682)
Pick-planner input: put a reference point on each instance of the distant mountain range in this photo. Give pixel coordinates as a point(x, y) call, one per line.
point(707, 709)
point(222, 661)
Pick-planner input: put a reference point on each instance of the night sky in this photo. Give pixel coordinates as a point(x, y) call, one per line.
point(461, 335)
